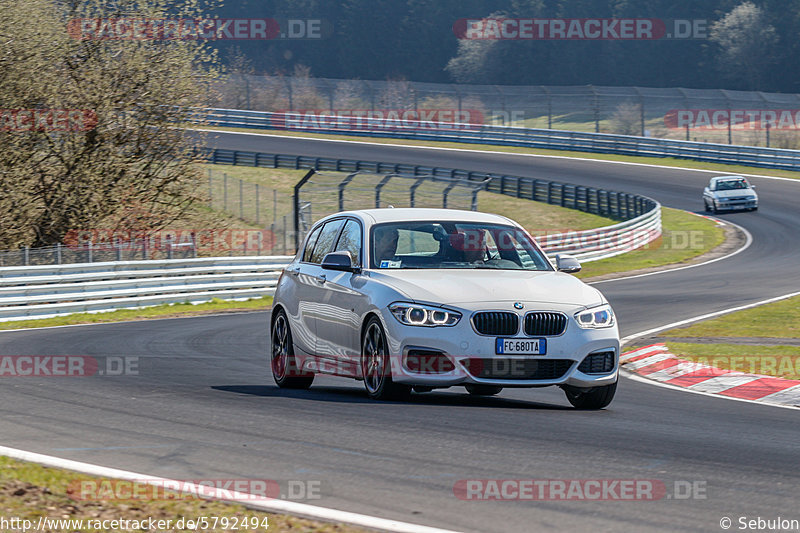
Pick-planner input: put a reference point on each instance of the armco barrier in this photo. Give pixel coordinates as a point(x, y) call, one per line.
point(589, 199)
point(641, 215)
point(601, 243)
point(512, 136)
point(47, 291)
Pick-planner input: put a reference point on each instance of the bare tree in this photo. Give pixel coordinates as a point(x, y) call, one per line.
point(627, 119)
point(120, 160)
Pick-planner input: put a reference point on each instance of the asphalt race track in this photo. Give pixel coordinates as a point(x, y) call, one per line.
point(203, 404)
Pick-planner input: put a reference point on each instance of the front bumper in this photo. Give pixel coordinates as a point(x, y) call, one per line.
point(465, 357)
point(735, 205)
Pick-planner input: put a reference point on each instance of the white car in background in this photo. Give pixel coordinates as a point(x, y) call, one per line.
point(728, 193)
point(435, 298)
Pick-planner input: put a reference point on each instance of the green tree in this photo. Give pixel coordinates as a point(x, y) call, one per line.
point(745, 42)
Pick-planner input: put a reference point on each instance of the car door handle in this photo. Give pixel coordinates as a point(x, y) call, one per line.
point(294, 271)
point(322, 278)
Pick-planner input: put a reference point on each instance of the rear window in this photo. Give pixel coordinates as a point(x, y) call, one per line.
point(326, 239)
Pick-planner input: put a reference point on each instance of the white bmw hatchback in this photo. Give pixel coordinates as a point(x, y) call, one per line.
point(435, 298)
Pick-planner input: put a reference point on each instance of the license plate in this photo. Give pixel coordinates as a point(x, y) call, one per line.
point(521, 346)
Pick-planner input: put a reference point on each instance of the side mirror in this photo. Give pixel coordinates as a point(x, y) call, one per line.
point(338, 261)
point(567, 263)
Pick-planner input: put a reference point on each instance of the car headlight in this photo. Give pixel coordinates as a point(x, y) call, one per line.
point(423, 315)
point(597, 317)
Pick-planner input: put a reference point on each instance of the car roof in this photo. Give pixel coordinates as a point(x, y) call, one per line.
point(405, 214)
point(726, 178)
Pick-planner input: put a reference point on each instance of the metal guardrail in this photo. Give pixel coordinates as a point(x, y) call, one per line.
point(513, 136)
point(43, 291)
point(588, 199)
point(642, 215)
point(609, 241)
point(620, 110)
point(47, 291)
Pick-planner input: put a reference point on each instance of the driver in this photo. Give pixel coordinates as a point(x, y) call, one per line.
point(474, 246)
point(385, 243)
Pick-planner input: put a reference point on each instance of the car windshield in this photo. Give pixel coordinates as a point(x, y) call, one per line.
point(729, 185)
point(464, 245)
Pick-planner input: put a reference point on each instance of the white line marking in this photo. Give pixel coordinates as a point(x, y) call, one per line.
point(274, 506)
point(647, 361)
point(748, 242)
point(675, 371)
point(629, 338)
point(473, 150)
point(718, 384)
point(636, 377)
point(147, 319)
point(641, 351)
point(784, 396)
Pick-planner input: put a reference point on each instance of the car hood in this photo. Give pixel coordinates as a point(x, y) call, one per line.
point(735, 193)
point(461, 286)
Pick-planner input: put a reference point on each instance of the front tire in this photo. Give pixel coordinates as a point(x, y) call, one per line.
point(376, 365)
point(590, 399)
point(483, 390)
point(284, 365)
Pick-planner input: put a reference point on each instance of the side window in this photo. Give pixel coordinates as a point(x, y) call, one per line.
point(350, 241)
point(312, 239)
point(325, 240)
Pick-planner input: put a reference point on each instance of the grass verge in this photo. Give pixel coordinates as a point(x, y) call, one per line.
point(29, 491)
point(158, 311)
point(661, 161)
point(684, 237)
point(534, 216)
point(775, 321)
point(778, 319)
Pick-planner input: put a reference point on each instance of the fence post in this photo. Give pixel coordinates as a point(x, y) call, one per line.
point(90, 252)
point(225, 191)
point(27, 256)
point(296, 206)
point(596, 105)
point(58, 253)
